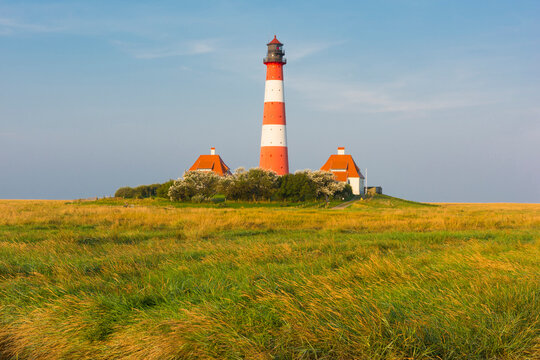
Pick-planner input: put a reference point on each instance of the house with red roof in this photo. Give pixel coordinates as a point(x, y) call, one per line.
point(211, 162)
point(345, 169)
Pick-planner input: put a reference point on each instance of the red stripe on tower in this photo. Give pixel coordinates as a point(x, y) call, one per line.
point(274, 155)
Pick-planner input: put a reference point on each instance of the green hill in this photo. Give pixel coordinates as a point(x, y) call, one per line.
point(386, 201)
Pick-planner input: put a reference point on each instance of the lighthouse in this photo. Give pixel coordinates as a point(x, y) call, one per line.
point(274, 154)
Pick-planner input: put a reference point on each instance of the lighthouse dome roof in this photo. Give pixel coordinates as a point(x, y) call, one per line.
point(275, 41)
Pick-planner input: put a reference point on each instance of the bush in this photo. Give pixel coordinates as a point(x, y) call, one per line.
point(163, 189)
point(253, 185)
point(144, 191)
point(125, 192)
point(325, 183)
point(195, 183)
point(296, 187)
point(197, 198)
point(218, 199)
point(345, 194)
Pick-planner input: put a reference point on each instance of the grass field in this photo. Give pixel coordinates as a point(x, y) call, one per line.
point(382, 279)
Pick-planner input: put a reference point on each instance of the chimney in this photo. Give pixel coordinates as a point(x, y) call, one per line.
point(341, 151)
point(212, 151)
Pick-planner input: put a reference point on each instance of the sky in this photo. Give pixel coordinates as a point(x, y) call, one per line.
point(439, 100)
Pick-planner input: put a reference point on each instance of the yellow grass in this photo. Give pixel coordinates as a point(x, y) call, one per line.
point(93, 281)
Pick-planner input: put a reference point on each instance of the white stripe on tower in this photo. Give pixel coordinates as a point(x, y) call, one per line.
point(273, 91)
point(273, 135)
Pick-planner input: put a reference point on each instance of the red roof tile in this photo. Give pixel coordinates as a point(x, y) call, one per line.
point(211, 162)
point(340, 175)
point(346, 164)
point(275, 41)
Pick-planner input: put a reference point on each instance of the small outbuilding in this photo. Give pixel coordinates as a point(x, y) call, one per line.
point(345, 169)
point(211, 162)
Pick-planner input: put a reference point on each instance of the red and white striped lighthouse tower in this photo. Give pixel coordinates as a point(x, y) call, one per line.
point(274, 154)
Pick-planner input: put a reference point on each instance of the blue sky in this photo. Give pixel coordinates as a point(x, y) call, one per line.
point(440, 100)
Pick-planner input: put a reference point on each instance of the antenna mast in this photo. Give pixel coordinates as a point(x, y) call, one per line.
point(366, 183)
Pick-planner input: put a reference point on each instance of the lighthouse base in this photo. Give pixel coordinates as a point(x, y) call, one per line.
point(275, 158)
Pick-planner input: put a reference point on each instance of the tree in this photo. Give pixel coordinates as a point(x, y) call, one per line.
point(163, 190)
point(235, 187)
point(296, 187)
point(262, 183)
point(146, 191)
point(326, 185)
point(255, 184)
point(125, 192)
point(179, 191)
point(252, 185)
point(203, 183)
point(346, 193)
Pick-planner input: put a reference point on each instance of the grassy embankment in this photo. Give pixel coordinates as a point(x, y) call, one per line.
point(381, 279)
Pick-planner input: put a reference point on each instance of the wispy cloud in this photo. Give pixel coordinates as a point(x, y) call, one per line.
point(195, 47)
point(380, 98)
point(11, 26)
point(302, 49)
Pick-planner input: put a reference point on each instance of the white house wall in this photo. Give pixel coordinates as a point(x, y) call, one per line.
point(355, 184)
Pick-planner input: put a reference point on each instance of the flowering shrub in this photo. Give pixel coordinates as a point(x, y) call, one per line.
point(203, 183)
point(258, 184)
point(325, 184)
